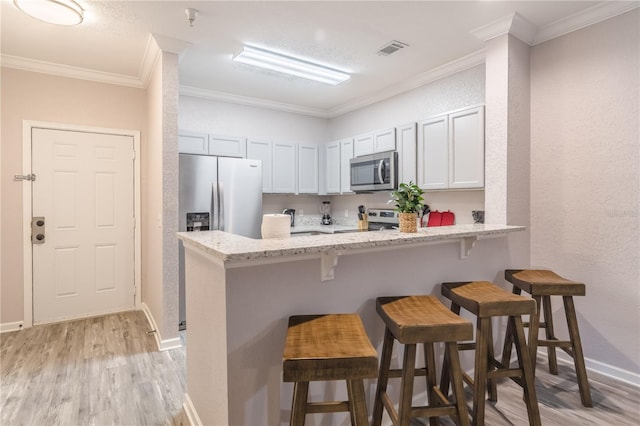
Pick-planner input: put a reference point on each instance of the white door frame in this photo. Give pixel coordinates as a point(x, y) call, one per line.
point(27, 126)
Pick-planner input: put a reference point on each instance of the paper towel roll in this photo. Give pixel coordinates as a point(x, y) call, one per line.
point(276, 226)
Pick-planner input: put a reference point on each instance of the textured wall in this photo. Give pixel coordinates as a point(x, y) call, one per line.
point(39, 97)
point(585, 179)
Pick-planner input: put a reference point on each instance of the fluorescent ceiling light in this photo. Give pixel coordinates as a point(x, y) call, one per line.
point(60, 12)
point(286, 64)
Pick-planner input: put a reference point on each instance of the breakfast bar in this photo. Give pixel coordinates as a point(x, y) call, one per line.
point(241, 291)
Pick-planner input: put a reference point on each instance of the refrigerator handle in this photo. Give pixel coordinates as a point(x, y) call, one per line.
point(220, 207)
point(214, 207)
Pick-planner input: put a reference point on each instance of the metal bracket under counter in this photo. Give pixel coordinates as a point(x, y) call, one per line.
point(329, 258)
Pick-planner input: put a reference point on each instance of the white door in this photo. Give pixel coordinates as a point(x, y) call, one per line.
point(84, 190)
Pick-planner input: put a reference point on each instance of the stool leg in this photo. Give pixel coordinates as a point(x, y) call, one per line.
point(444, 378)
point(534, 331)
point(480, 374)
point(451, 351)
point(299, 405)
point(548, 320)
point(578, 357)
point(357, 403)
point(491, 383)
point(430, 365)
point(406, 384)
point(509, 338)
point(383, 377)
point(528, 381)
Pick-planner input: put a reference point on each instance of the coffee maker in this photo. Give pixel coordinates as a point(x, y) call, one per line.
point(325, 209)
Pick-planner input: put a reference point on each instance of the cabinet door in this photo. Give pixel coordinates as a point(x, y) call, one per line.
point(363, 144)
point(433, 153)
point(284, 167)
point(262, 150)
point(407, 153)
point(384, 140)
point(307, 169)
point(193, 143)
point(466, 148)
point(346, 154)
point(227, 146)
point(333, 168)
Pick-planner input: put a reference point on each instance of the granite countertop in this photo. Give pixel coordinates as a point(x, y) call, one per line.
point(325, 229)
point(231, 249)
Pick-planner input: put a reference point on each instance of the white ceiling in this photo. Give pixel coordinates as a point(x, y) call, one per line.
point(112, 42)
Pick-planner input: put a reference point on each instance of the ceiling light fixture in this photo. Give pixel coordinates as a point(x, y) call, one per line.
point(59, 12)
point(289, 65)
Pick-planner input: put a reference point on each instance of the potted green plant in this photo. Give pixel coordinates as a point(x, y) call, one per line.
point(408, 201)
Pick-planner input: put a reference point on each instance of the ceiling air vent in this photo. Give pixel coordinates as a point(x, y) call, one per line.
point(391, 47)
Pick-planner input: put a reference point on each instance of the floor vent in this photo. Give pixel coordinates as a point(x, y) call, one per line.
point(391, 47)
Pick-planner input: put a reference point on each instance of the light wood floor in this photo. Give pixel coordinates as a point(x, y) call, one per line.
point(106, 371)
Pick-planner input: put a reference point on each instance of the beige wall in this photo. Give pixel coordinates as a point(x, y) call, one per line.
point(40, 97)
point(585, 179)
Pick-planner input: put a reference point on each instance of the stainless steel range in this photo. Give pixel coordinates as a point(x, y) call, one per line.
point(380, 219)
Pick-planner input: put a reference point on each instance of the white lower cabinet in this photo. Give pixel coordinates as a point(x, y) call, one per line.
point(262, 150)
point(451, 150)
point(308, 169)
point(284, 167)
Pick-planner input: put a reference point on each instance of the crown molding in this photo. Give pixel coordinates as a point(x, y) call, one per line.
point(249, 101)
point(461, 64)
point(513, 24)
point(590, 16)
point(61, 70)
point(149, 60)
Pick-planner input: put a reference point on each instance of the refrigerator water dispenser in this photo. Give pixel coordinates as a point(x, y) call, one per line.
point(197, 222)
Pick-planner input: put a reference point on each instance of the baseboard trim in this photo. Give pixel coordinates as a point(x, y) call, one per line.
point(190, 410)
point(601, 368)
point(162, 345)
point(11, 326)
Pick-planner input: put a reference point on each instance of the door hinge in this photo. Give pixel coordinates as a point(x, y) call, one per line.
point(31, 177)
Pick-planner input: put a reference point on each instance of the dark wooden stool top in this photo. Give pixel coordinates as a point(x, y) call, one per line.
point(328, 347)
point(422, 319)
point(540, 282)
point(485, 299)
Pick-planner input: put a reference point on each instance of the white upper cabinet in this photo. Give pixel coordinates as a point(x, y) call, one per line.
point(363, 144)
point(384, 140)
point(262, 150)
point(284, 167)
point(407, 153)
point(193, 143)
point(451, 150)
point(332, 175)
point(227, 146)
point(433, 153)
point(307, 169)
point(207, 144)
point(466, 148)
point(346, 154)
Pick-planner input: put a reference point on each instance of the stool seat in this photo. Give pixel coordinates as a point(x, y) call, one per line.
point(541, 282)
point(413, 320)
point(422, 319)
point(328, 347)
point(485, 299)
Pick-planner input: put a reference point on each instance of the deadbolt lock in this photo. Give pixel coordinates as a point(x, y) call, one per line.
point(37, 230)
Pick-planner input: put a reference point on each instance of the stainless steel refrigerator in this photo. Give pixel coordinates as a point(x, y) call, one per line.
point(217, 193)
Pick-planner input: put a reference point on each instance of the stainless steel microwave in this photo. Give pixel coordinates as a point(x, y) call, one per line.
point(374, 172)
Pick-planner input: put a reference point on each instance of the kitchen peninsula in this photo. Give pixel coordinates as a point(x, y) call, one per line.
point(240, 292)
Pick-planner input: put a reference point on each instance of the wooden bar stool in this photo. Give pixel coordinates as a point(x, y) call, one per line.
point(420, 319)
point(541, 285)
point(486, 300)
point(328, 347)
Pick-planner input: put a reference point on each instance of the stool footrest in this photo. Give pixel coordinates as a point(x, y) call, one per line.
point(508, 372)
point(555, 343)
point(470, 346)
point(433, 411)
point(327, 407)
point(397, 373)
